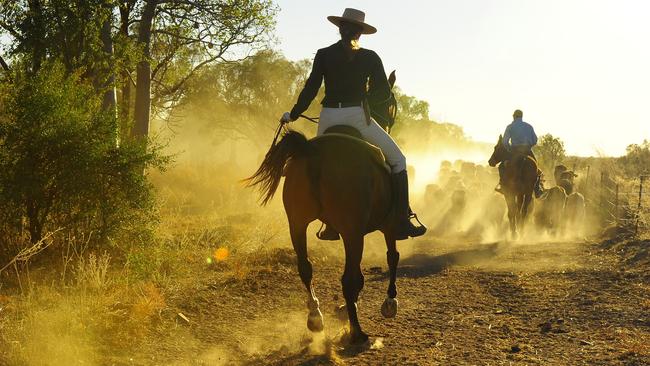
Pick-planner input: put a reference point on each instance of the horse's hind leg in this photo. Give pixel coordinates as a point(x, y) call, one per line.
point(352, 282)
point(523, 217)
point(389, 307)
point(299, 240)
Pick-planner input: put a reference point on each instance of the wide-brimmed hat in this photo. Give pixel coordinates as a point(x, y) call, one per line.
point(353, 16)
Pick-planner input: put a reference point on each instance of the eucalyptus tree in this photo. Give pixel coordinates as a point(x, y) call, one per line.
point(163, 43)
point(180, 37)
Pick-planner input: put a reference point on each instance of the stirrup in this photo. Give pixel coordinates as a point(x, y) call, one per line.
point(410, 230)
point(412, 215)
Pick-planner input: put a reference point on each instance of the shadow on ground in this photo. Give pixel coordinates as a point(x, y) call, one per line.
point(335, 353)
point(423, 264)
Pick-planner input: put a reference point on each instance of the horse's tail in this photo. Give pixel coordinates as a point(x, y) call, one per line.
point(268, 175)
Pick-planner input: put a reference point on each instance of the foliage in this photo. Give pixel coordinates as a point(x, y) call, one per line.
point(60, 165)
point(416, 131)
point(409, 107)
point(549, 151)
point(182, 38)
point(69, 31)
point(190, 35)
point(244, 100)
point(636, 159)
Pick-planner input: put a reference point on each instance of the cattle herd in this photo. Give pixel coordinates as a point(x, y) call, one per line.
point(462, 201)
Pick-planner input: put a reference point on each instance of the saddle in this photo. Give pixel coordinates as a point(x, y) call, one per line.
point(344, 130)
point(352, 133)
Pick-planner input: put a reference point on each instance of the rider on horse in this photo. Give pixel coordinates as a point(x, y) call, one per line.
point(355, 78)
point(519, 138)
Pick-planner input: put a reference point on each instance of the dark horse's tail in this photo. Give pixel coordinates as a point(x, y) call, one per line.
point(268, 175)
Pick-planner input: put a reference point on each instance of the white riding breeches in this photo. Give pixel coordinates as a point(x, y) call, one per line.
point(373, 133)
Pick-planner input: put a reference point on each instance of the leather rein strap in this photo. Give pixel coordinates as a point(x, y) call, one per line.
point(312, 119)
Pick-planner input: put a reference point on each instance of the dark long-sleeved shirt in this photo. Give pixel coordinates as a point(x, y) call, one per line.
point(346, 81)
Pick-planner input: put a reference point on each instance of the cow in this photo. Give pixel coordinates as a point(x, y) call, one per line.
point(450, 222)
point(557, 173)
point(574, 215)
point(567, 181)
point(549, 210)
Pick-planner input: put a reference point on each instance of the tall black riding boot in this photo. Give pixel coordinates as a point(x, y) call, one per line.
point(404, 226)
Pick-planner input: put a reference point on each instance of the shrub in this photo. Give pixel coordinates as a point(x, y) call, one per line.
point(60, 162)
point(636, 159)
point(549, 151)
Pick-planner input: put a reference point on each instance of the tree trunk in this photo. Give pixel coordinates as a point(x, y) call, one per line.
point(143, 80)
point(125, 103)
point(109, 103)
point(38, 35)
point(35, 226)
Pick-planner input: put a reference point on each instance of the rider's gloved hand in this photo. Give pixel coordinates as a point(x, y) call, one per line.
point(286, 118)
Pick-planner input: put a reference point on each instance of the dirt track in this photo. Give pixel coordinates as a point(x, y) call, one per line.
point(545, 303)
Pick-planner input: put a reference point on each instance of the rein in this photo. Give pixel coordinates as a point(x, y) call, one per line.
point(282, 127)
point(277, 133)
point(312, 119)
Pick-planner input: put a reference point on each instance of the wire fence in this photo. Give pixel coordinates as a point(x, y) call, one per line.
point(625, 202)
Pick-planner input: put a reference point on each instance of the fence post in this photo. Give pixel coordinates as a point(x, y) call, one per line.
point(638, 208)
point(601, 215)
point(616, 207)
point(602, 190)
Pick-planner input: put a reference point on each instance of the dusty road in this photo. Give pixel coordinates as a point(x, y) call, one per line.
point(545, 303)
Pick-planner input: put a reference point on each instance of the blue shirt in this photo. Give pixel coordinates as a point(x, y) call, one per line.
point(519, 133)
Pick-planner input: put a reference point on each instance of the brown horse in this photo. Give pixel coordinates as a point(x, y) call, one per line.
point(343, 182)
point(518, 183)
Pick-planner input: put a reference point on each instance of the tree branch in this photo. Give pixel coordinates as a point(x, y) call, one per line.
point(4, 65)
point(11, 30)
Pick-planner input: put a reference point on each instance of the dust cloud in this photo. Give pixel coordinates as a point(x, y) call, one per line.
point(452, 191)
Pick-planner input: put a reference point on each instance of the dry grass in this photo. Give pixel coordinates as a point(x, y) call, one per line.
point(100, 306)
point(81, 323)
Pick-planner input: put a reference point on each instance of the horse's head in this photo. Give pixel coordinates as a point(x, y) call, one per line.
point(500, 153)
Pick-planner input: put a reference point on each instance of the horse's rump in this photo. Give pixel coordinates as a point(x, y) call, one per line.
point(350, 144)
point(521, 173)
point(352, 176)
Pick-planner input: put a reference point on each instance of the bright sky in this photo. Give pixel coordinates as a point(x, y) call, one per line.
point(579, 69)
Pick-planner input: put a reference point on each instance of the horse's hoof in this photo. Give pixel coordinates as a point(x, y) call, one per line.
point(341, 312)
point(358, 337)
point(315, 321)
point(389, 308)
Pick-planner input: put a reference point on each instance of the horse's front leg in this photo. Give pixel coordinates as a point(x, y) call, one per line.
point(299, 240)
point(389, 307)
point(512, 214)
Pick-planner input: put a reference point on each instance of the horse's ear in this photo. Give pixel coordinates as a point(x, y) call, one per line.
point(391, 79)
point(500, 138)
